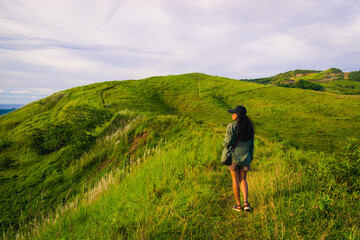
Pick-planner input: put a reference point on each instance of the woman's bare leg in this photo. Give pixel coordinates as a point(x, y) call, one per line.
point(243, 183)
point(235, 180)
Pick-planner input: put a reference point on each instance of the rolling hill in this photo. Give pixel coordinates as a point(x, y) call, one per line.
point(332, 80)
point(141, 159)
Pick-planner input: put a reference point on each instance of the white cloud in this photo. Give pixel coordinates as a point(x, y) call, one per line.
point(43, 91)
point(36, 91)
point(19, 92)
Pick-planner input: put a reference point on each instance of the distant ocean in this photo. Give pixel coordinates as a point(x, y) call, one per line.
point(6, 108)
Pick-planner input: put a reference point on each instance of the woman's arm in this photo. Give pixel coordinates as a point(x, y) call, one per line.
point(228, 136)
point(251, 150)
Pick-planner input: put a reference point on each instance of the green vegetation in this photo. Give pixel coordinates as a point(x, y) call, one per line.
point(77, 129)
point(281, 77)
point(354, 76)
point(333, 70)
point(179, 189)
point(331, 80)
point(313, 77)
point(4, 143)
point(303, 84)
point(141, 159)
point(6, 162)
point(342, 87)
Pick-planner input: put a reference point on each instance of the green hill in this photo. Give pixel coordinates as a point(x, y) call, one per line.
point(333, 80)
point(140, 159)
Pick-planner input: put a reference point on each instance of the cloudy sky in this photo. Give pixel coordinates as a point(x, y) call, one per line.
point(51, 45)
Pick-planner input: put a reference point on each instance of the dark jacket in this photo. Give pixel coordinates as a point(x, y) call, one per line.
point(243, 150)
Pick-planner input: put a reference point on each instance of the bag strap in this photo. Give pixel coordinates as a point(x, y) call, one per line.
point(235, 144)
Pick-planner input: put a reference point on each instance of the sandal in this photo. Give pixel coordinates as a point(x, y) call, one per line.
point(237, 208)
point(247, 207)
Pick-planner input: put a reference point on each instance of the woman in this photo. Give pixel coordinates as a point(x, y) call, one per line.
point(241, 133)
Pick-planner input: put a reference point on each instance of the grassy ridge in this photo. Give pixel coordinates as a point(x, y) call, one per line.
point(205, 98)
point(280, 112)
point(35, 183)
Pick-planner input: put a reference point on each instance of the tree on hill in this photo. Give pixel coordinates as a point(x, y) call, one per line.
point(300, 71)
point(308, 85)
point(78, 128)
point(303, 84)
point(354, 76)
point(333, 70)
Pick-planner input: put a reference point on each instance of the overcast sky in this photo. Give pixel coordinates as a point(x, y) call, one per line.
point(51, 45)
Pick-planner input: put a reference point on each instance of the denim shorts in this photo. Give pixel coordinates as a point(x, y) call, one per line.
point(235, 167)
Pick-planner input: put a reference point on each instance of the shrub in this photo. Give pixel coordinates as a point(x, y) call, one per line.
point(354, 76)
point(53, 138)
point(80, 123)
point(303, 84)
point(298, 71)
point(86, 118)
point(4, 143)
point(286, 85)
point(6, 162)
point(351, 156)
point(333, 70)
point(342, 170)
point(308, 85)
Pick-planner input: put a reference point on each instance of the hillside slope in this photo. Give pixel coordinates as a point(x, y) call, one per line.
point(178, 189)
point(131, 118)
point(333, 80)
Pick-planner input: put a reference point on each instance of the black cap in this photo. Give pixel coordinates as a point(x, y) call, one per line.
point(239, 110)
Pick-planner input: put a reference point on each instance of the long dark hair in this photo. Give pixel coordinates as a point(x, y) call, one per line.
point(244, 128)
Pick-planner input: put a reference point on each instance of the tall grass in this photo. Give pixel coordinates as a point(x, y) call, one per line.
point(180, 190)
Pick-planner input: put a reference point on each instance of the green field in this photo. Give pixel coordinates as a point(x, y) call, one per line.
point(141, 159)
